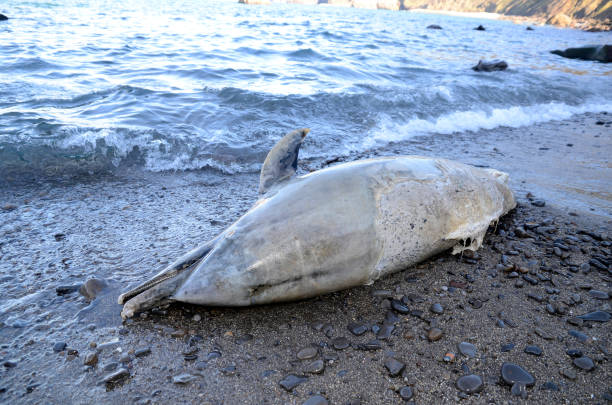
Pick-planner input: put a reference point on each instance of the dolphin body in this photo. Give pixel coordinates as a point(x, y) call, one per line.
point(335, 228)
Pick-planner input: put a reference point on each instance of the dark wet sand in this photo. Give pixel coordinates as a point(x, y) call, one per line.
point(125, 230)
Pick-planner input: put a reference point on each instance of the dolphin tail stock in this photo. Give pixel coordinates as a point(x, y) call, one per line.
point(158, 289)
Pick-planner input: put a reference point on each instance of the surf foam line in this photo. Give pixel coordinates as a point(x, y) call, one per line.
point(460, 121)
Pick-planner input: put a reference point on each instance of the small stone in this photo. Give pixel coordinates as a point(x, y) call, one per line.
point(533, 350)
point(142, 352)
point(116, 376)
point(385, 331)
point(125, 358)
point(67, 289)
point(470, 383)
point(59, 346)
point(316, 367)
point(507, 347)
point(92, 287)
point(406, 393)
point(512, 373)
point(538, 203)
point(519, 283)
point(307, 353)
point(316, 400)
point(197, 318)
point(291, 381)
point(91, 359)
point(449, 357)
point(519, 390)
point(436, 308)
point(434, 334)
point(340, 343)
point(579, 335)
point(543, 334)
point(584, 363)
point(357, 329)
point(574, 352)
point(183, 378)
point(394, 366)
point(600, 295)
point(467, 349)
point(9, 364)
point(397, 306)
point(568, 373)
point(229, 370)
point(596, 316)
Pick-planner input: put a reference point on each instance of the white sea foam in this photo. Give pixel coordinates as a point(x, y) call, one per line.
point(459, 121)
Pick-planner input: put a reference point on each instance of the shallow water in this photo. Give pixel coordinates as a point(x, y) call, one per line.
point(98, 86)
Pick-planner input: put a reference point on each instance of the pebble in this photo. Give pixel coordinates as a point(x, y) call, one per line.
point(538, 203)
point(436, 308)
point(507, 347)
point(59, 346)
point(513, 373)
point(142, 352)
point(467, 349)
point(91, 359)
point(533, 350)
point(385, 331)
point(183, 378)
point(115, 376)
point(584, 363)
point(357, 329)
point(291, 381)
point(574, 352)
point(316, 367)
point(213, 355)
point(307, 353)
point(596, 316)
point(519, 284)
point(519, 390)
point(9, 364)
point(600, 295)
point(568, 373)
point(340, 343)
point(316, 400)
point(394, 366)
point(470, 383)
point(197, 318)
point(543, 334)
point(434, 334)
point(229, 370)
point(406, 393)
point(92, 287)
point(578, 335)
point(397, 306)
point(67, 289)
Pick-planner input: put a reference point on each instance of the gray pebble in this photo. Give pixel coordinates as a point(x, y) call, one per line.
point(316, 400)
point(291, 381)
point(316, 367)
point(307, 353)
point(394, 366)
point(467, 349)
point(183, 378)
point(584, 363)
point(470, 383)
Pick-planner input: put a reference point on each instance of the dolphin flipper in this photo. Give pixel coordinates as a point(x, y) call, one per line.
point(281, 162)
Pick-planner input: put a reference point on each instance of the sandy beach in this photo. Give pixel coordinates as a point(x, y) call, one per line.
point(517, 300)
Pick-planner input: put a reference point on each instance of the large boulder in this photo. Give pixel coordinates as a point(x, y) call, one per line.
point(490, 66)
point(3, 17)
point(601, 53)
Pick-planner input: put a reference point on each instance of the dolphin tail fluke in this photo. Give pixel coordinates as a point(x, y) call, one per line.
point(157, 290)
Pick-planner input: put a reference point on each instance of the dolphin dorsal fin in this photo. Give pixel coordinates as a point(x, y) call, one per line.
point(281, 162)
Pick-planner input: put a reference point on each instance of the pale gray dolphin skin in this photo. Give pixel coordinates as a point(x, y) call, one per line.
point(332, 229)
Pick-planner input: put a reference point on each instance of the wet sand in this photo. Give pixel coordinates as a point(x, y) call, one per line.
point(539, 268)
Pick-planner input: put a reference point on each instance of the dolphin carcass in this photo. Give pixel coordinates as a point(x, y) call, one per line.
point(331, 229)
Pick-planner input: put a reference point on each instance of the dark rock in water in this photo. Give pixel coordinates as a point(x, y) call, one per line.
point(406, 393)
point(601, 53)
point(92, 287)
point(480, 28)
point(529, 29)
point(513, 373)
point(394, 366)
point(434, 27)
point(584, 363)
point(59, 346)
point(596, 316)
point(485, 66)
point(469, 383)
point(534, 350)
point(316, 400)
point(3, 17)
point(67, 289)
point(291, 381)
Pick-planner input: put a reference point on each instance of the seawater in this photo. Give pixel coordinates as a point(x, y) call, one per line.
point(95, 86)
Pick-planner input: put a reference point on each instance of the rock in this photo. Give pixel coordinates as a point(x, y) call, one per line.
point(59, 346)
point(568, 373)
point(584, 363)
point(357, 329)
point(578, 335)
point(197, 318)
point(291, 381)
point(601, 53)
point(560, 20)
point(316, 367)
point(436, 308)
point(467, 349)
point(470, 383)
point(519, 390)
point(434, 334)
point(385, 331)
point(434, 27)
point(600, 295)
point(3, 18)
point(316, 400)
point(512, 373)
point(529, 29)
point(596, 316)
point(142, 352)
point(340, 343)
point(406, 393)
point(533, 350)
point(92, 287)
point(183, 378)
point(9, 363)
point(59, 237)
point(307, 353)
point(538, 203)
point(116, 376)
point(67, 289)
point(574, 353)
point(91, 359)
point(397, 306)
point(507, 347)
point(490, 66)
point(480, 28)
point(394, 366)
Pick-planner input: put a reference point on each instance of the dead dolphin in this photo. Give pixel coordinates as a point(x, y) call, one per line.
point(335, 228)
